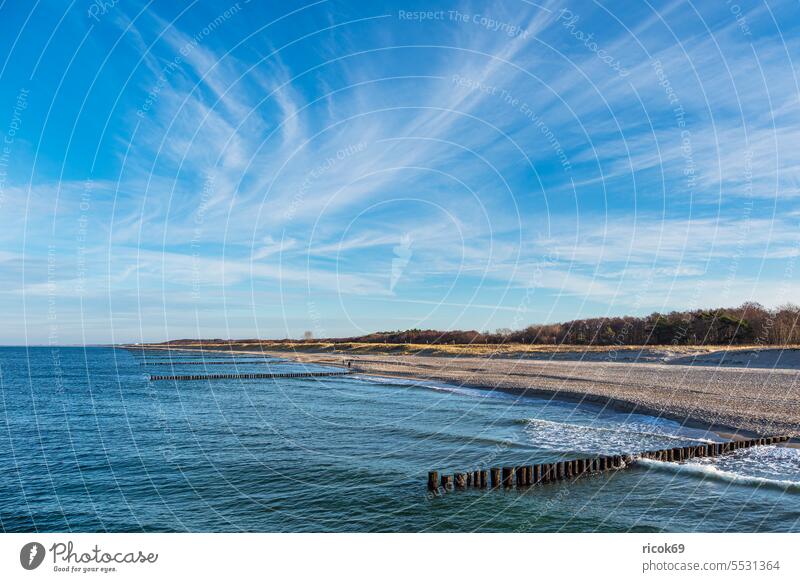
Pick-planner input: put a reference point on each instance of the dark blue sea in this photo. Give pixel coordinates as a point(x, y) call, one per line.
point(88, 444)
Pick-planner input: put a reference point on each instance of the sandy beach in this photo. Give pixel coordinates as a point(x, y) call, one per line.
point(725, 398)
point(729, 391)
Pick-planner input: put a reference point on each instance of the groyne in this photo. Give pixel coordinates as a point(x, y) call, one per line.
point(543, 473)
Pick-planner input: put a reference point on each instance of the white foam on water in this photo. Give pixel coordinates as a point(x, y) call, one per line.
point(628, 436)
point(633, 429)
point(707, 469)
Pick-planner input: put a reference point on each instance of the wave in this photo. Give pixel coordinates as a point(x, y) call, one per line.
point(616, 431)
point(438, 387)
point(711, 472)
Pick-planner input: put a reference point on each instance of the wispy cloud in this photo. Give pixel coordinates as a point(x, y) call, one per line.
point(261, 159)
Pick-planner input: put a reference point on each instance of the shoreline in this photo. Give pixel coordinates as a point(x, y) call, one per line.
point(749, 356)
point(617, 405)
point(368, 365)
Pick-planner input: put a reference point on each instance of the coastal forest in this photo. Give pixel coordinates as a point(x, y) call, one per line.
point(749, 324)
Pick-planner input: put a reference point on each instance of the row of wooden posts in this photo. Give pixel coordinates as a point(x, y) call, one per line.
point(249, 376)
point(528, 475)
point(230, 363)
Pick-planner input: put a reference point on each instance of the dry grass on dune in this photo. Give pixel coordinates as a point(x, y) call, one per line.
point(465, 349)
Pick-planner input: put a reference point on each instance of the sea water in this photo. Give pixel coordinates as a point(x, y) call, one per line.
point(88, 443)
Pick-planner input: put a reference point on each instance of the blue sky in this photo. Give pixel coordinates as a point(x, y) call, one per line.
point(259, 169)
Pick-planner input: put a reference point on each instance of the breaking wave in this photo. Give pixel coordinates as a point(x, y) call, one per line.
point(709, 471)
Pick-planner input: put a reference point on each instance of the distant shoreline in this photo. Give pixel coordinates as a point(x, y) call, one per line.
point(724, 354)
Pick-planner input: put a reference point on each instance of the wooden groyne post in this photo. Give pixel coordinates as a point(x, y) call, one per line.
point(528, 475)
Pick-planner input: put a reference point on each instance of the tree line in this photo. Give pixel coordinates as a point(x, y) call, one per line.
point(750, 323)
